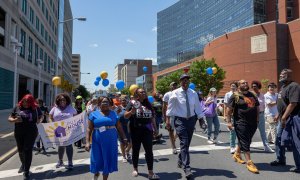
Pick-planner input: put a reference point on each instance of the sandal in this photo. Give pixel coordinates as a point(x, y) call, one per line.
point(154, 176)
point(134, 173)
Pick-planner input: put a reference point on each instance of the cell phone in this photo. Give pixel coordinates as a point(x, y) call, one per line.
point(14, 114)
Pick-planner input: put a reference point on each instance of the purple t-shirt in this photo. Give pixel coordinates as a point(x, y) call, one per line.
point(59, 114)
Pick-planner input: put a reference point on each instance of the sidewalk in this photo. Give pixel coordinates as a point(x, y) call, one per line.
point(7, 140)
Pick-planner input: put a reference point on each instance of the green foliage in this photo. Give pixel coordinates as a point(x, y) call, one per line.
point(82, 91)
point(125, 91)
point(264, 83)
point(202, 80)
point(163, 84)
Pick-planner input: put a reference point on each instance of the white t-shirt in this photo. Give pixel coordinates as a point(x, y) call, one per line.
point(227, 97)
point(167, 96)
point(270, 98)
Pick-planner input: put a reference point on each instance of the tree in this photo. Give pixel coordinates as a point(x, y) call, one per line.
point(265, 83)
point(163, 84)
point(202, 80)
point(81, 91)
point(125, 91)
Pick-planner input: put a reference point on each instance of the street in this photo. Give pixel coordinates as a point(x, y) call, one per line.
point(207, 162)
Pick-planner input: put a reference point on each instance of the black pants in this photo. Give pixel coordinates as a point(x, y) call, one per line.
point(185, 129)
point(244, 133)
point(25, 138)
point(142, 135)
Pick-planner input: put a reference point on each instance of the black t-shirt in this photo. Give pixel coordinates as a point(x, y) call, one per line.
point(29, 116)
point(245, 110)
point(289, 94)
point(157, 106)
point(45, 111)
point(142, 116)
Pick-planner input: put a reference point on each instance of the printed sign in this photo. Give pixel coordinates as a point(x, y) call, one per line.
point(259, 44)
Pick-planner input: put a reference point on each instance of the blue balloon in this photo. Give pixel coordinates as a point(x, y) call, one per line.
point(192, 86)
point(145, 69)
point(209, 71)
point(120, 84)
point(96, 83)
point(150, 99)
point(98, 78)
point(105, 82)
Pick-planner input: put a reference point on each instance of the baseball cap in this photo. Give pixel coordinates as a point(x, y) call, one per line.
point(212, 89)
point(78, 97)
point(173, 83)
point(184, 76)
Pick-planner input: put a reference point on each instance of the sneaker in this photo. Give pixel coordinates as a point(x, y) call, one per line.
point(124, 160)
point(215, 141)
point(26, 176)
point(237, 158)
point(59, 164)
point(295, 170)
point(232, 150)
point(188, 173)
point(268, 149)
point(277, 163)
point(21, 169)
point(251, 167)
point(174, 151)
point(209, 141)
point(128, 156)
point(69, 167)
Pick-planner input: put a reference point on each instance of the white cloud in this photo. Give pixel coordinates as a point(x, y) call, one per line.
point(154, 60)
point(130, 40)
point(154, 29)
point(95, 45)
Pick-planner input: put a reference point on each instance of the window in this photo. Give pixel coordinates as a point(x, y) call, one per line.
point(289, 12)
point(46, 36)
point(2, 26)
point(43, 6)
point(47, 14)
point(39, 2)
point(41, 54)
point(45, 61)
point(29, 49)
point(24, 6)
point(49, 64)
point(23, 40)
point(36, 52)
point(37, 23)
point(31, 15)
point(42, 30)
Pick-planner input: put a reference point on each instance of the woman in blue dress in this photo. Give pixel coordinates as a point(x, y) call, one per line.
point(102, 132)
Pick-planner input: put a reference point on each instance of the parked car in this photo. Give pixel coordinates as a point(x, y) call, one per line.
point(220, 106)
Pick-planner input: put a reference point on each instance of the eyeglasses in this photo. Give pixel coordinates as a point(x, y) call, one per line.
point(142, 92)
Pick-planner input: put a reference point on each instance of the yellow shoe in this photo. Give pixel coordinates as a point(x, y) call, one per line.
point(237, 158)
point(251, 167)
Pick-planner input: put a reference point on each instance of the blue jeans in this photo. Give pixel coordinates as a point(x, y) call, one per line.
point(213, 120)
point(262, 128)
point(280, 150)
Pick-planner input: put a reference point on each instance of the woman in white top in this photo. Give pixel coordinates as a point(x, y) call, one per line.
point(211, 116)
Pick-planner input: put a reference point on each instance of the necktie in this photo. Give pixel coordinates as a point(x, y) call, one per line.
point(187, 105)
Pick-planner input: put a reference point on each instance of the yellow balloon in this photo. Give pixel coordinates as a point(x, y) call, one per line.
point(215, 70)
point(103, 74)
point(56, 81)
point(132, 88)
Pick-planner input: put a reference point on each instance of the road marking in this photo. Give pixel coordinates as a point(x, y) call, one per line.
point(6, 135)
point(81, 162)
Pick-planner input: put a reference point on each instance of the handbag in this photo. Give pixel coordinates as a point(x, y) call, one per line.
point(210, 110)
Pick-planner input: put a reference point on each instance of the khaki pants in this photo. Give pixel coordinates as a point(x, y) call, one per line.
point(272, 132)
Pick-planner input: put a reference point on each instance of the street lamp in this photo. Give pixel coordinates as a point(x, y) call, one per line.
point(40, 63)
point(61, 22)
point(16, 46)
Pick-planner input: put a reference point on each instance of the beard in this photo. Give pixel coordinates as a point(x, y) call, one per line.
point(244, 88)
point(283, 80)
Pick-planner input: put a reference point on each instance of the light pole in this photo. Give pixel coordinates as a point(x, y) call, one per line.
point(16, 45)
point(61, 22)
point(40, 63)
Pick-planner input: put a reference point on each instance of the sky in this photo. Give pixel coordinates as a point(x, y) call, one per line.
point(115, 30)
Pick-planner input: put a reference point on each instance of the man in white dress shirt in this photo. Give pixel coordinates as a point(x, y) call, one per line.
point(184, 105)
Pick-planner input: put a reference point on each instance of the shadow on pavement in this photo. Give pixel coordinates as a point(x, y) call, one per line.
point(268, 167)
point(213, 172)
point(164, 175)
point(199, 152)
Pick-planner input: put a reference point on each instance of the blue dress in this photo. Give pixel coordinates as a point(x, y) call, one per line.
point(104, 150)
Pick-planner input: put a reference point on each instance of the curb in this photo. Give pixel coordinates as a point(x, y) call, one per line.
point(8, 155)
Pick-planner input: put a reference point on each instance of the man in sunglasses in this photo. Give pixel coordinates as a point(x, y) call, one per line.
point(184, 105)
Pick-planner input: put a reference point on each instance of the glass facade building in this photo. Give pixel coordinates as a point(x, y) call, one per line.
point(184, 28)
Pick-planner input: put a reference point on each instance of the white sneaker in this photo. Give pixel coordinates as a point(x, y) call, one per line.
point(209, 141)
point(215, 141)
point(232, 150)
point(268, 149)
point(124, 160)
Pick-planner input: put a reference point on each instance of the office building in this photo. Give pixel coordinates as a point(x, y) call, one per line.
point(76, 59)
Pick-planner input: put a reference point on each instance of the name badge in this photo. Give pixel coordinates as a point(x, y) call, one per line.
point(102, 129)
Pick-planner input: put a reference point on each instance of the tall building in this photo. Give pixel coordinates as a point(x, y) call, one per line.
point(184, 28)
point(117, 72)
point(31, 27)
point(76, 59)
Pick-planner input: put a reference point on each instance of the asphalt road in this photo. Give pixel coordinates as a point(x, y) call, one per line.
point(207, 162)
